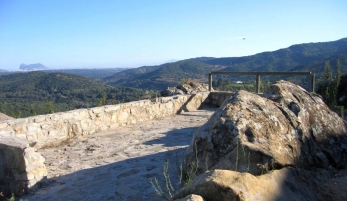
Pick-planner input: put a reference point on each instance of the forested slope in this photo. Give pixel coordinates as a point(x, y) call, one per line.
point(26, 94)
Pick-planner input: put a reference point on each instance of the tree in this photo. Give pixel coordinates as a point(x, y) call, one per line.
point(102, 100)
point(32, 110)
point(49, 107)
point(328, 88)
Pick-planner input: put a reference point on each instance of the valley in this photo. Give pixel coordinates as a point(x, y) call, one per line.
point(27, 93)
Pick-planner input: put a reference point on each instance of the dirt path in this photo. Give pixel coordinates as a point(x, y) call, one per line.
point(116, 165)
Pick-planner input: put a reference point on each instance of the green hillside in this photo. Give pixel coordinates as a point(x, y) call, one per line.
point(129, 74)
point(302, 57)
point(95, 73)
point(163, 76)
point(284, 59)
point(26, 94)
point(319, 66)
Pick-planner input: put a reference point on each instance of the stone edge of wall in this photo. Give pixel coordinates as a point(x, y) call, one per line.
point(20, 137)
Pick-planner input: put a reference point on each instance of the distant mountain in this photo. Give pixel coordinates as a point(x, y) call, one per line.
point(284, 59)
point(301, 57)
point(162, 76)
point(31, 67)
point(37, 92)
point(3, 71)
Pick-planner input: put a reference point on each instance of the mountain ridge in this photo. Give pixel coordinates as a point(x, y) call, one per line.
point(291, 58)
point(32, 67)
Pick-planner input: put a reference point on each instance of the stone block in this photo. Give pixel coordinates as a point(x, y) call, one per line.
point(68, 115)
point(17, 121)
point(3, 125)
point(19, 130)
point(33, 127)
point(8, 131)
point(96, 110)
point(21, 167)
point(123, 115)
point(39, 119)
point(111, 108)
point(86, 124)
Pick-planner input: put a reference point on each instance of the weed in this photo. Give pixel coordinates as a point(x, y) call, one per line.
point(169, 187)
point(264, 168)
point(249, 161)
point(184, 176)
point(12, 198)
point(156, 186)
point(238, 142)
point(206, 163)
point(194, 165)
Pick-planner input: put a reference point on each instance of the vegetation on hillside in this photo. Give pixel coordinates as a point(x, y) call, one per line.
point(33, 93)
point(24, 94)
point(329, 86)
point(303, 57)
point(96, 73)
point(163, 76)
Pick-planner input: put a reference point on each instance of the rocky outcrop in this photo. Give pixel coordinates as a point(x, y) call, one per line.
point(185, 88)
point(284, 145)
point(30, 67)
point(287, 127)
point(286, 184)
point(21, 167)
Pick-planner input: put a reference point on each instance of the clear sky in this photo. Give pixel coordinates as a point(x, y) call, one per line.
point(132, 33)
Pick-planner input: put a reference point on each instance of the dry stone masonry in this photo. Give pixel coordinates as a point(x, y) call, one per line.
point(44, 130)
point(22, 167)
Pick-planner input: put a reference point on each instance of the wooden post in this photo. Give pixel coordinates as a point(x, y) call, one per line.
point(257, 90)
point(210, 82)
point(312, 82)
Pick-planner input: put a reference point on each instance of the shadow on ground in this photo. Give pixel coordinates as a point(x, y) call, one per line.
point(127, 179)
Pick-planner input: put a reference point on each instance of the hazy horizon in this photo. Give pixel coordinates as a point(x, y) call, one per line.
point(127, 34)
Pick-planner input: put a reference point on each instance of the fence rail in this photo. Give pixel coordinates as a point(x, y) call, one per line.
point(258, 74)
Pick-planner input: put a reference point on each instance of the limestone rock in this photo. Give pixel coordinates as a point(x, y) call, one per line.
point(186, 88)
point(286, 127)
point(21, 167)
point(286, 184)
point(192, 87)
point(171, 91)
point(191, 197)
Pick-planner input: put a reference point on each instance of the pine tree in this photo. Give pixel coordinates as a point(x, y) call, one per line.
point(328, 88)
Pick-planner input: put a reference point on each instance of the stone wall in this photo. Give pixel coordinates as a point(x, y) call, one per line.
point(22, 167)
point(43, 130)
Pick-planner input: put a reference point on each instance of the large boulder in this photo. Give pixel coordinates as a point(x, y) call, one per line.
point(287, 126)
point(185, 88)
point(286, 184)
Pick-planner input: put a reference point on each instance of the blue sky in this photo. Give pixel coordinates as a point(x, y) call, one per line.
point(132, 33)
